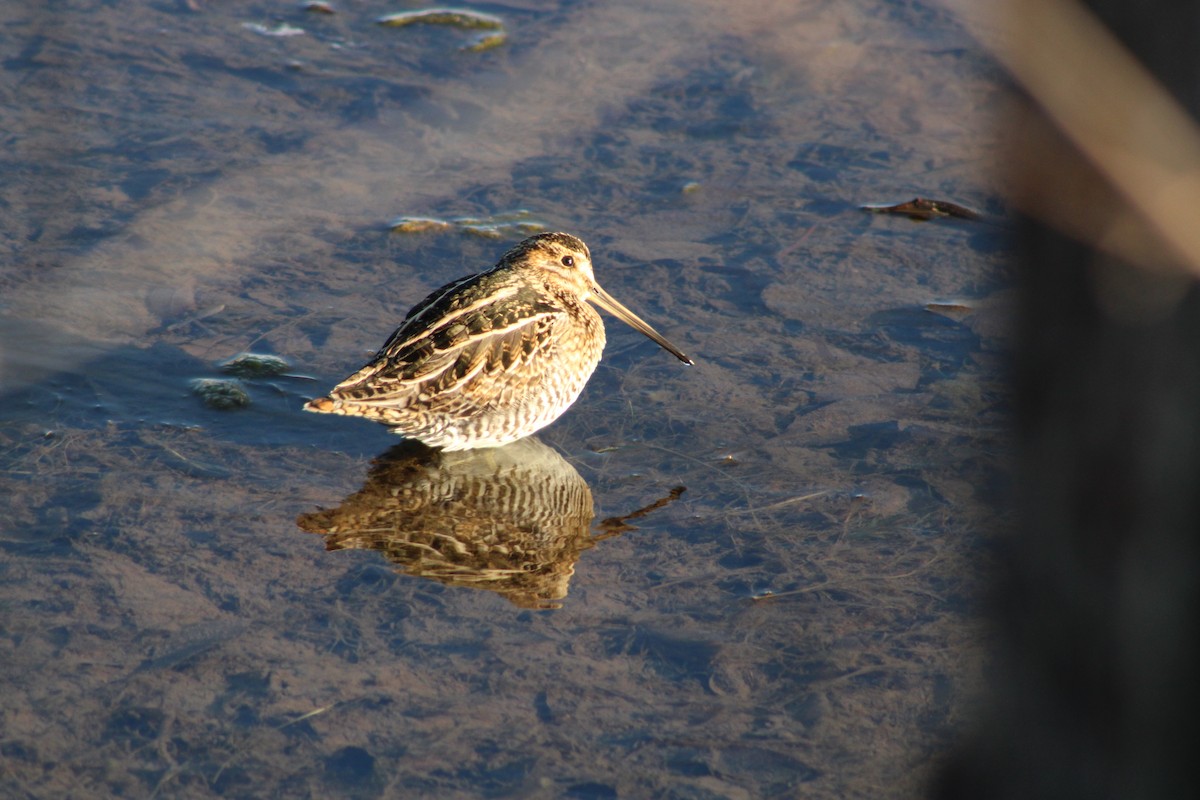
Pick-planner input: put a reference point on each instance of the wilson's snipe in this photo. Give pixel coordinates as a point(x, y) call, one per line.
point(493, 357)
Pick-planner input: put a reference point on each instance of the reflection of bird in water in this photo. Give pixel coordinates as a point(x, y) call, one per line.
point(492, 357)
point(513, 519)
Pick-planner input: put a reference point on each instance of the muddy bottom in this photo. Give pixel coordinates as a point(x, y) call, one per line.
point(754, 577)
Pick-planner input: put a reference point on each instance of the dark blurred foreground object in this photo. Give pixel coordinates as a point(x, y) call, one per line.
point(1097, 615)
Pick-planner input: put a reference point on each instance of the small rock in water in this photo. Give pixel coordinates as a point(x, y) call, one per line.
point(221, 393)
point(494, 34)
point(255, 365)
point(497, 226)
point(457, 18)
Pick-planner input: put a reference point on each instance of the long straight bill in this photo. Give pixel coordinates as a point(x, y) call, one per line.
point(605, 301)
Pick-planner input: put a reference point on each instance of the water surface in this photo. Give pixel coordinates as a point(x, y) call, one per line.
point(798, 620)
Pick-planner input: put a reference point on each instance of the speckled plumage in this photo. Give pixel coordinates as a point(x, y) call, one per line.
point(492, 357)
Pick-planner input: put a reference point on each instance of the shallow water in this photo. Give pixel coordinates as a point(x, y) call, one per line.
point(257, 601)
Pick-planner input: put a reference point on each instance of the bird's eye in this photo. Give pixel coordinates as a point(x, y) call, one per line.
point(568, 261)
